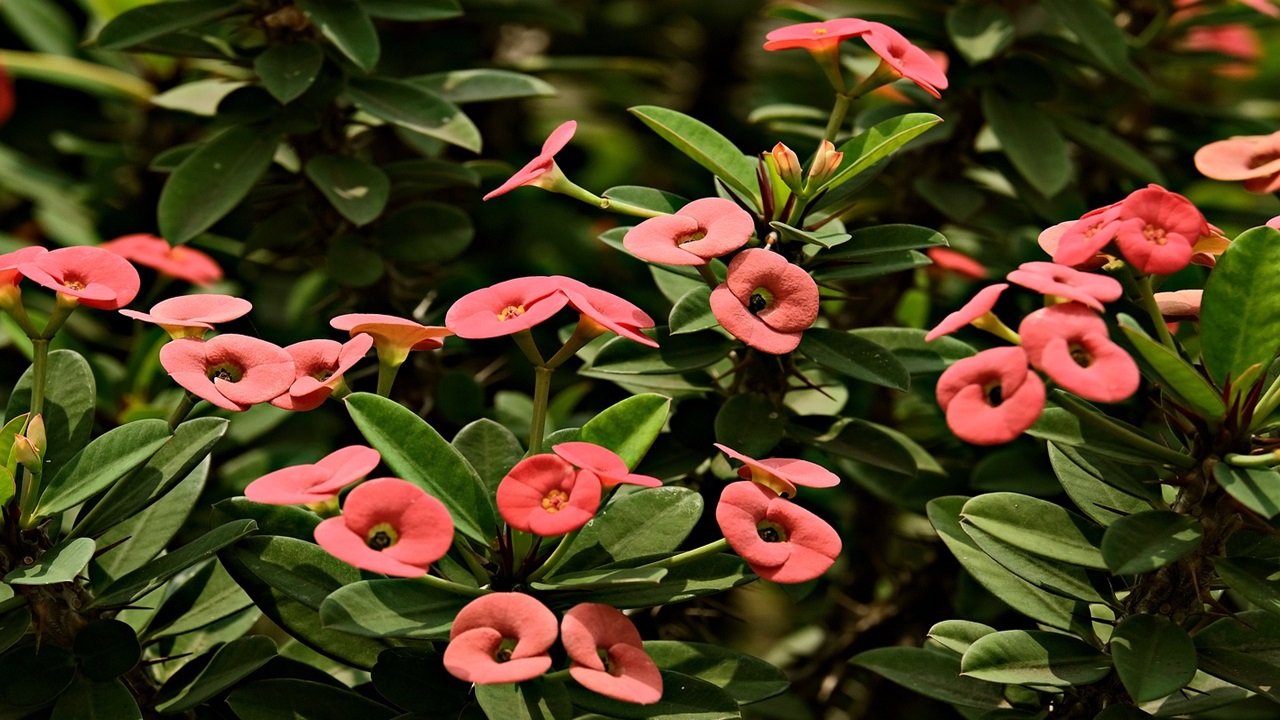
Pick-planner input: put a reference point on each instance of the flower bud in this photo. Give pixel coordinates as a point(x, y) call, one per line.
point(27, 454)
point(36, 434)
point(788, 166)
point(825, 162)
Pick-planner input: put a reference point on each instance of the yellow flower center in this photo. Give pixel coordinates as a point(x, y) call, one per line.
point(510, 312)
point(1154, 234)
point(381, 536)
point(819, 31)
point(554, 501)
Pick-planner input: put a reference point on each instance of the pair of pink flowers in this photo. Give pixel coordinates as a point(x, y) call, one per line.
point(897, 54)
point(506, 638)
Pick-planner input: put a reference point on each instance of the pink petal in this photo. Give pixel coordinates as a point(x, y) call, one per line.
point(1069, 320)
point(341, 542)
point(347, 465)
point(109, 281)
point(815, 36)
point(1240, 158)
point(905, 58)
point(978, 306)
point(589, 627)
point(290, 486)
point(637, 679)
point(513, 614)
point(1003, 366)
point(470, 657)
point(505, 308)
point(608, 310)
point(1053, 279)
point(957, 262)
point(742, 506)
point(1179, 304)
point(657, 240)
point(748, 328)
point(727, 227)
point(1111, 375)
point(973, 419)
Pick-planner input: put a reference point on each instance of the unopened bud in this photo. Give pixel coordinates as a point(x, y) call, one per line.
point(825, 162)
point(27, 454)
point(788, 166)
point(36, 434)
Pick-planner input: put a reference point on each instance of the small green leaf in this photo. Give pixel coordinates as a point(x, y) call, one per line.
point(648, 522)
point(1256, 488)
point(1098, 32)
point(490, 448)
point(43, 26)
point(356, 189)
point(287, 71)
point(135, 542)
point(980, 32)
point(750, 423)
point(1175, 376)
point(483, 85)
point(958, 635)
point(31, 676)
point(284, 520)
point(1257, 580)
point(747, 679)
point(1066, 429)
point(401, 675)
point(1022, 657)
point(102, 462)
point(60, 564)
point(646, 197)
point(854, 356)
point(202, 598)
point(415, 108)
point(1037, 526)
point(107, 649)
point(674, 354)
point(147, 22)
point(13, 625)
point(537, 699)
point(1091, 483)
point(135, 584)
point(916, 355)
point(412, 10)
point(629, 427)
point(864, 150)
point(878, 239)
point(392, 608)
point(1243, 651)
point(1059, 578)
point(856, 439)
point(932, 674)
point(683, 698)
point(822, 238)
point(1153, 657)
point(593, 579)
point(705, 146)
point(425, 232)
point(348, 27)
point(1110, 148)
point(1239, 327)
point(1032, 143)
point(288, 698)
point(1149, 540)
point(692, 312)
point(697, 578)
point(231, 162)
point(230, 664)
point(90, 700)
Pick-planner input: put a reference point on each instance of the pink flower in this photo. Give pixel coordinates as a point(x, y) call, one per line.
point(394, 336)
point(992, 397)
point(230, 371)
point(543, 164)
point(182, 262)
point(1081, 242)
point(1274, 223)
point(702, 230)
point(95, 277)
point(545, 495)
point(388, 526)
point(905, 59)
point(192, 315)
point(506, 308)
point(501, 637)
point(978, 305)
point(957, 262)
point(303, 484)
point(1179, 304)
point(606, 311)
point(1062, 281)
point(319, 366)
point(1069, 342)
point(782, 475)
point(1255, 159)
point(10, 262)
point(1158, 230)
point(1234, 40)
point(780, 540)
point(607, 655)
point(816, 37)
point(766, 302)
point(1263, 6)
point(603, 463)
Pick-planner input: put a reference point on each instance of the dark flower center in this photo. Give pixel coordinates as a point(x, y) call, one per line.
point(505, 649)
point(1081, 356)
point(691, 237)
point(771, 532)
point(609, 666)
point(381, 536)
point(995, 394)
point(226, 371)
point(760, 299)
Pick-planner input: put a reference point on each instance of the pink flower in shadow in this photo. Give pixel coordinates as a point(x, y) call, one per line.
point(603, 463)
point(816, 37)
point(317, 482)
point(979, 305)
point(95, 277)
point(319, 366)
point(696, 233)
point(182, 262)
point(607, 311)
point(545, 495)
point(992, 397)
point(1255, 159)
point(782, 475)
point(230, 371)
point(502, 637)
point(388, 526)
point(607, 656)
point(766, 302)
point(1158, 230)
point(780, 540)
point(957, 262)
point(1070, 344)
point(533, 172)
point(395, 337)
point(905, 59)
point(1062, 281)
point(192, 315)
point(506, 308)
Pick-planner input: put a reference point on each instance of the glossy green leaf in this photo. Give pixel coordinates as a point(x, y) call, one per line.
point(31, 676)
point(647, 522)
point(705, 146)
point(1066, 429)
point(1098, 32)
point(402, 673)
point(60, 564)
point(1022, 657)
point(674, 354)
point(958, 635)
point(288, 698)
point(1030, 140)
point(230, 664)
point(1153, 656)
point(43, 26)
point(415, 108)
point(1178, 379)
point(878, 239)
point(106, 649)
point(287, 71)
point(1239, 327)
point(13, 625)
point(490, 448)
point(750, 423)
point(412, 10)
point(483, 85)
point(425, 232)
point(697, 578)
point(874, 266)
point(232, 162)
point(302, 570)
point(1149, 540)
point(69, 403)
point(932, 674)
point(348, 27)
point(135, 542)
point(1256, 488)
point(1121, 712)
point(1059, 578)
point(822, 238)
point(417, 453)
point(692, 312)
point(854, 356)
point(747, 679)
point(1037, 526)
point(150, 21)
point(980, 32)
point(537, 699)
point(1257, 580)
point(645, 197)
point(873, 145)
point(916, 355)
point(1110, 148)
point(88, 699)
point(285, 520)
point(392, 608)
point(856, 439)
point(683, 698)
point(356, 189)
point(431, 174)
point(102, 462)
point(208, 595)
point(1205, 692)
point(8, 434)
point(1085, 479)
point(135, 584)
point(1243, 650)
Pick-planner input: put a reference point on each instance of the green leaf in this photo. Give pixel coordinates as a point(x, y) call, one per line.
point(91, 700)
point(201, 599)
point(102, 462)
point(864, 150)
point(148, 22)
point(301, 570)
point(230, 664)
point(1059, 578)
point(1110, 148)
point(674, 354)
point(69, 402)
point(135, 584)
point(415, 452)
point(537, 699)
point(231, 162)
point(285, 520)
point(490, 448)
point(877, 239)
point(683, 698)
point(1205, 692)
point(402, 673)
point(1243, 651)
point(855, 356)
point(1037, 526)
point(856, 439)
point(356, 189)
point(821, 238)
point(645, 197)
point(1177, 378)
point(1149, 540)
point(1256, 488)
point(483, 85)
point(916, 355)
point(431, 174)
point(135, 542)
point(593, 579)
point(1098, 32)
point(874, 266)
point(288, 698)
point(415, 108)
point(933, 675)
point(1022, 657)
point(750, 423)
point(106, 649)
point(287, 71)
point(1066, 429)
point(392, 608)
point(692, 312)
point(43, 26)
point(747, 679)
point(697, 578)
point(980, 32)
point(1090, 482)
point(412, 10)
point(647, 522)
point(13, 625)
point(1257, 580)
point(60, 564)
point(1032, 143)
point(1153, 656)
point(31, 676)
point(1239, 327)
point(958, 635)
point(425, 232)
point(348, 27)
point(705, 146)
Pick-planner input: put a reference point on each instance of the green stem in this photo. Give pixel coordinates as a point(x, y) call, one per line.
point(837, 117)
point(1269, 402)
point(554, 558)
point(707, 274)
point(472, 559)
point(557, 676)
point(541, 398)
point(1147, 299)
point(452, 587)
point(386, 378)
point(586, 331)
point(181, 410)
point(690, 555)
point(39, 369)
point(627, 208)
point(13, 305)
point(62, 309)
point(524, 340)
point(1265, 460)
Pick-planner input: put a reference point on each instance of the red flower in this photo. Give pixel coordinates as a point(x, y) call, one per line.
point(388, 526)
point(766, 302)
point(230, 371)
point(992, 397)
point(545, 495)
point(782, 475)
point(603, 463)
point(816, 37)
point(1070, 344)
point(1158, 230)
point(182, 262)
point(533, 172)
point(1255, 159)
point(192, 315)
point(319, 366)
point(957, 262)
point(10, 262)
point(394, 337)
point(506, 308)
point(607, 655)
point(702, 230)
point(977, 306)
point(501, 637)
point(303, 484)
point(905, 59)
point(780, 540)
point(1062, 281)
point(607, 311)
point(1080, 243)
point(95, 277)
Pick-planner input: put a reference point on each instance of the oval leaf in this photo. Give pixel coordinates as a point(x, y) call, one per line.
point(287, 71)
point(1022, 657)
point(102, 462)
point(392, 608)
point(415, 108)
point(932, 674)
point(230, 664)
point(1256, 488)
point(1037, 526)
point(744, 677)
point(1257, 580)
point(706, 146)
point(692, 312)
point(483, 85)
point(1239, 327)
point(1153, 656)
point(69, 402)
point(855, 356)
point(674, 354)
point(356, 189)
point(232, 162)
point(628, 428)
point(150, 21)
point(1176, 377)
point(649, 522)
point(1032, 143)
point(875, 144)
point(1149, 540)
point(348, 27)
point(62, 563)
point(288, 698)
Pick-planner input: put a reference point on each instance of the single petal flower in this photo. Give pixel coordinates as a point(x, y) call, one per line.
point(1062, 281)
point(192, 315)
point(534, 171)
point(898, 54)
point(1179, 304)
point(388, 526)
point(230, 371)
point(696, 233)
point(782, 475)
point(395, 337)
point(317, 482)
point(1158, 230)
point(502, 637)
point(780, 540)
point(10, 262)
point(979, 305)
point(992, 397)
point(1254, 159)
point(607, 655)
point(816, 37)
point(1080, 243)
point(603, 463)
point(607, 311)
point(182, 262)
point(545, 495)
point(1069, 342)
point(766, 302)
point(95, 277)
point(319, 366)
point(506, 308)
point(957, 262)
